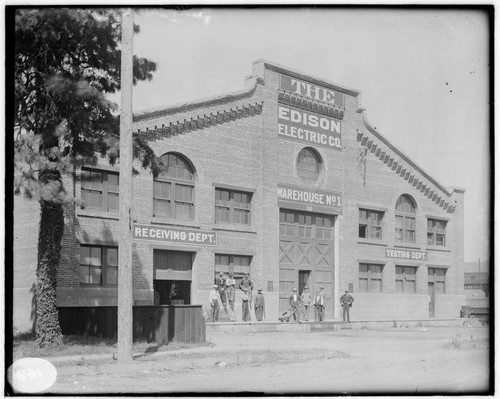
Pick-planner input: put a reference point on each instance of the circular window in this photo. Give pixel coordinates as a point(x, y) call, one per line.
point(308, 163)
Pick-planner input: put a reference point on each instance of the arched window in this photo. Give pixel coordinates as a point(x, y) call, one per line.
point(308, 163)
point(405, 219)
point(173, 192)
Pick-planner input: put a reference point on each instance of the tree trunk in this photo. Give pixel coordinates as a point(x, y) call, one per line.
point(47, 328)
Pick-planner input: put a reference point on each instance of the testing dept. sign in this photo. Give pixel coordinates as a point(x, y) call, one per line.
point(171, 234)
point(309, 200)
point(313, 91)
point(405, 254)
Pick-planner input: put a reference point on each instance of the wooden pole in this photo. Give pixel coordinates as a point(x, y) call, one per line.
point(125, 296)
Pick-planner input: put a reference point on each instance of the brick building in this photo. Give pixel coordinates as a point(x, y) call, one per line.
point(285, 179)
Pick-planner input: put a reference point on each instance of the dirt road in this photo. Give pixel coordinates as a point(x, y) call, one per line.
point(438, 360)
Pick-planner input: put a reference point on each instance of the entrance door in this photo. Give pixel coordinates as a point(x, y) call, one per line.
point(173, 273)
point(306, 255)
point(432, 298)
point(303, 280)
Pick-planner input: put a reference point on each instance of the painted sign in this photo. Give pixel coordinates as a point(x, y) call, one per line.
point(308, 127)
point(311, 90)
point(174, 234)
point(405, 254)
point(311, 200)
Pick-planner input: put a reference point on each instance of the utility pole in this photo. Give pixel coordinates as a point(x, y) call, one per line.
point(125, 295)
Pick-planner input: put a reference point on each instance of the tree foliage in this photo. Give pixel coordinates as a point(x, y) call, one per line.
point(65, 62)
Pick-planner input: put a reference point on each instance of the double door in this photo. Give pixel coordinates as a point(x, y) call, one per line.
point(306, 255)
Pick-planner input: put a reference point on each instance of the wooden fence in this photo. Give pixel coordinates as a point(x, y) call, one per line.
point(159, 324)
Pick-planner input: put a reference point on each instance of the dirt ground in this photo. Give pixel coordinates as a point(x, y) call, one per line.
point(397, 360)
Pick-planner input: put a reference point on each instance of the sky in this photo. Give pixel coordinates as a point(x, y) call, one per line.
point(423, 76)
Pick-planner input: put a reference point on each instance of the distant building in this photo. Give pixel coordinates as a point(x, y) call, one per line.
point(286, 180)
point(477, 292)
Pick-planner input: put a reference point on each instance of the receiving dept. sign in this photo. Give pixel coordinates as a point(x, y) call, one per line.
point(172, 234)
point(308, 127)
point(405, 254)
point(309, 200)
point(315, 92)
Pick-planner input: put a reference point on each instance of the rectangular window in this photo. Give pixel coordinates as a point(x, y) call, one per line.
point(436, 232)
point(406, 279)
point(370, 224)
point(307, 225)
point(173, 200)
point(100, 190)
point(437, 276)
point(232, 207)
point(98, 265)
point(370, 278)
point(236, 264)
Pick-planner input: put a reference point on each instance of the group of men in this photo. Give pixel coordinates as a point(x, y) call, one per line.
point(297, 302)
point(224, 290)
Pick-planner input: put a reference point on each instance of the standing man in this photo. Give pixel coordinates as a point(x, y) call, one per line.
point(316, 306)
point(221, 286)
point(306, 300)
point(346, 301)
point(295, 303)
point(230, 293)
point(259, 305)
point(214, 303)
point(319, 303)
point(246, 285)
point(245, 308)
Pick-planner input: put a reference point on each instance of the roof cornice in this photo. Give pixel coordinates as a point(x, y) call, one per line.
point(403, 156)
point(204, 102)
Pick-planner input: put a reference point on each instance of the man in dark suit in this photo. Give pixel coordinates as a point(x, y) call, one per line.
point(346, 301)
point(295, 304)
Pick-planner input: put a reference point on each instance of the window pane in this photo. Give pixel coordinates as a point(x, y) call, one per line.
point(399, 222)
point(399, 270)
point(363, 284)
point(113, 183)
point(410, 271)
point(95, 275)
point(95, 199)
point(410, 286)
point(363, 268)
point(439, 287)
point(282, 217)
point(113, 202)
point(430, 238)
point(96, 180)
point(375, 269)
point(399, 285)
point(85, 255)
point(95, 256)
point(111, 256)
point(161, 208)
point(184, 211)
point(439, 239)
point(222, 215)
point(290, 217)
point(375, 285)
point(112, 275)
point(84, 274)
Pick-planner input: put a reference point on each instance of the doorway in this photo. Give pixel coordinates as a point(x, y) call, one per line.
point(303, 280)
point(173, 292)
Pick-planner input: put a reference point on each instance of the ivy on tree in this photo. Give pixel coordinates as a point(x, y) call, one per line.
point(65, 62)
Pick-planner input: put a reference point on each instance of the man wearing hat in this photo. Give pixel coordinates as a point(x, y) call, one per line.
point(246, 285)
point(319, 304)
point(214, 303)
point(230, 294)
point(221, 286)
point(346, 301)
point(295, 304)
point(259, 305)
point(306, 299)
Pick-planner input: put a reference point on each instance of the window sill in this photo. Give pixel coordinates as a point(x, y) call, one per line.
point(371, 242)
point(98, 214)
point(175, 222)
point(410, 246)
point(233, 227)
point(437, 248)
